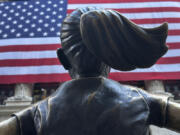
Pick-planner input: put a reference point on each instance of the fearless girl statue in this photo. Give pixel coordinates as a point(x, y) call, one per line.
point(94, 40)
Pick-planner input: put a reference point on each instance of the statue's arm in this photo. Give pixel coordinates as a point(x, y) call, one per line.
point(170, 112)
point(21, 123)
point(163, 112)
point(173, 116)
point(9, 127)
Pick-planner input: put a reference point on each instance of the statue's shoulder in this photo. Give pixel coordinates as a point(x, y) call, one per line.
point(127, 107)
point(121, 89)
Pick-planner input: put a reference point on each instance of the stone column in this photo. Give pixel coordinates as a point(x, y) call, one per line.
point(22, 95)
point(23, 90)
point(154, 86)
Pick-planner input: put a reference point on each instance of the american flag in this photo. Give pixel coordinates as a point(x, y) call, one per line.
point(29, 37)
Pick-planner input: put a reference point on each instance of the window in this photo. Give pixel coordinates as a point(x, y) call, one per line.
point(5, 92)
point(173, 87)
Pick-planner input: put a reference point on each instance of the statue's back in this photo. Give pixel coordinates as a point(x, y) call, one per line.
point(93, 106)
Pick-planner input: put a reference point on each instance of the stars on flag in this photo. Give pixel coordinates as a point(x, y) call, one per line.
point(24, 10)
point(37, 2)
point(41, 13)
point(9, 18)
point(4, 15)
point(25, 19)
point(7, 7)
point(18, 34)
point(43, 6)
point(12, 30)
point(22, 18)
point(47, 17)
point(31, 34)
point(19, 6)
point(5, 36)
point(39, 29)
point(20, 26)
point(52, 29)
point(46, 25)
point(34, 17)
point(26, 30)
point(33, 25)
point(45, 33)
point(25, 3)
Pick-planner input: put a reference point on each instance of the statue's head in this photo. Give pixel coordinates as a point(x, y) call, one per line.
point(74, 55)
point(94, 39)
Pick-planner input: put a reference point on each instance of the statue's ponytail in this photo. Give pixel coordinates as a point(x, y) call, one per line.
point(119, 42)
point(113, 39)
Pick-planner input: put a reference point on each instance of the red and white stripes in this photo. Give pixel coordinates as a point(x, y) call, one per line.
point(31, 60)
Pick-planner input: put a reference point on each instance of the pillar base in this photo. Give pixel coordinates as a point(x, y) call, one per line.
point(22, 96)
point(18, 101)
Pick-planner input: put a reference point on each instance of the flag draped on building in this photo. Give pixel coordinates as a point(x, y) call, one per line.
point(29, 37)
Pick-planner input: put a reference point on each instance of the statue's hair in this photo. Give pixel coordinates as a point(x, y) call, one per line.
point(112, 38)
point(72, 44)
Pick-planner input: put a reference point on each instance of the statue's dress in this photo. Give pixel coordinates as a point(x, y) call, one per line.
point(89, 106)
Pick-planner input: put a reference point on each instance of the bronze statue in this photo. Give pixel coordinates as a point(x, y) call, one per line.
point(93, 40)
